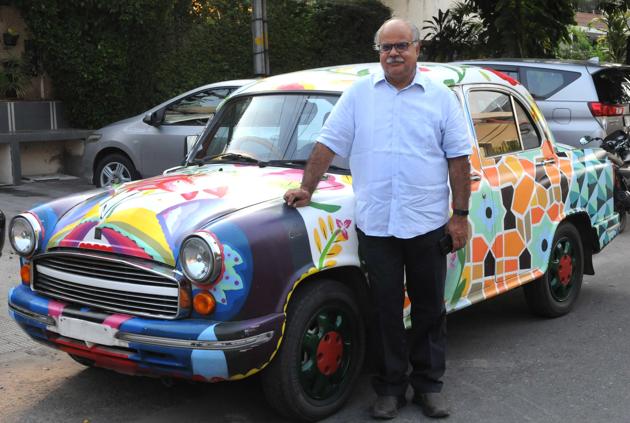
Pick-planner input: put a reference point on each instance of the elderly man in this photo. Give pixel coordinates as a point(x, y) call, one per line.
point(405, 137)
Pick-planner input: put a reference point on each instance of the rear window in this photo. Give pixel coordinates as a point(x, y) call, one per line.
point(613, 85)
point(543, 83)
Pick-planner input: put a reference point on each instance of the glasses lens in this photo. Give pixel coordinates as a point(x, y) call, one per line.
point(386, 47)
point(401, 46)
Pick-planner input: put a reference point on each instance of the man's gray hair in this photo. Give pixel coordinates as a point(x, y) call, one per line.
point(414, 29)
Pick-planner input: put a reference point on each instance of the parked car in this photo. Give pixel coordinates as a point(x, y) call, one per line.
point(577, 98)
point(205, 274)
point(147, 144)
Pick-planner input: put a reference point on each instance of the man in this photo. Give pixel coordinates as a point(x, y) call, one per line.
point(405, 136)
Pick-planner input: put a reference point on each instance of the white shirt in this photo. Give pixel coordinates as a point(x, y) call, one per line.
point(398, 143)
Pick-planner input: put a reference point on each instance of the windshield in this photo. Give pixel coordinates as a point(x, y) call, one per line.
point(268, 128)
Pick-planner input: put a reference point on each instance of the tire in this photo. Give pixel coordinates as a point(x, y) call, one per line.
point(557, 291)
point(321, 355)
point(623, 220)
point(114, 169)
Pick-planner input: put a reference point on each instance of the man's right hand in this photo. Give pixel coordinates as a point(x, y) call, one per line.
point(298, 197)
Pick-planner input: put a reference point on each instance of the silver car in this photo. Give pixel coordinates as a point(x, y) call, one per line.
point(578, 98)
point(147, 144)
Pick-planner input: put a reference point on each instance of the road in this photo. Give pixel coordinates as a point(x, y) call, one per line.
point(503, 363)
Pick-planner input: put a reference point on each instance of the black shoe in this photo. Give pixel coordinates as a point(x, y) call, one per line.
point(433, 404)
point(386, 406)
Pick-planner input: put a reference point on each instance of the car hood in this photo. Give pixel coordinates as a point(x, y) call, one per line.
point(149, 219)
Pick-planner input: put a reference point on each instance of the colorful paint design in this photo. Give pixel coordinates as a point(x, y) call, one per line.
point(268, 249)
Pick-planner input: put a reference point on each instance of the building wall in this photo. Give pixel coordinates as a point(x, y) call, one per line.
point(417, 11)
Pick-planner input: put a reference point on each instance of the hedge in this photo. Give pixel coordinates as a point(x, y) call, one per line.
point(111, 59)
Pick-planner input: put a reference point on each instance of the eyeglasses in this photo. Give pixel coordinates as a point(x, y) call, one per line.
point(387, 47)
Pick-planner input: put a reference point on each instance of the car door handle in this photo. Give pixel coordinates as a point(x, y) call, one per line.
point(546, 162)
point(475, 177)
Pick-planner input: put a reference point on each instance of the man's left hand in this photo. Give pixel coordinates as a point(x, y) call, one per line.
point(457, 227)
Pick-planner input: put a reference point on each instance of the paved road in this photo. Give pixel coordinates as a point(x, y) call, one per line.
point(504, 365)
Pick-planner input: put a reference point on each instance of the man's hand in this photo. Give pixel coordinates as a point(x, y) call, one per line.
point(298, 197)
point(457, 227)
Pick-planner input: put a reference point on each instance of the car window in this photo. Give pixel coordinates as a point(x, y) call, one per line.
point(196, 108)
point(529, 133)
point(543, 83)
point(494, 122)
point(258, 126)
point(613, 85)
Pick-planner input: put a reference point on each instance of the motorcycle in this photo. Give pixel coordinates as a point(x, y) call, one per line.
point(617, 147)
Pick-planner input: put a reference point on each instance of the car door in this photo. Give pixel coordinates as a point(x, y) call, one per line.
point(528, 186)
point(165, 146)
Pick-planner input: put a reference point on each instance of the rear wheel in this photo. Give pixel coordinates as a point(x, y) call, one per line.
point(321, 355)
point(556, 292)
point(114, 169)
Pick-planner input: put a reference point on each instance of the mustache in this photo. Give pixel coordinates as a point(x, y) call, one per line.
point(397, 59)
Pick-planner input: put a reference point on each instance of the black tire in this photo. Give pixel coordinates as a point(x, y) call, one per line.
point(82, 360)
point(294, 380)
point(557, 291)
point(623, 220)
point(114, 169)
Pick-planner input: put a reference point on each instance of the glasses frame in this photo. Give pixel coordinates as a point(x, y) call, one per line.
point(400, 47)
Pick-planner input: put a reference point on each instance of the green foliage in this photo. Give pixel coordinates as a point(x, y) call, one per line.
point(617, 30)
point(524, 28)
point(579, 47)
point(111, 59)
point(454, 34)
point(14, 78)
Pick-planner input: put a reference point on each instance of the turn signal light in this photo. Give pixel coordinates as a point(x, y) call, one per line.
point(25, 274)
point(204, 303)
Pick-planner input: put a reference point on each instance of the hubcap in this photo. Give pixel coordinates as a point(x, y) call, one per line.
point(115, 173)
point(562, 265)
point(326, 353)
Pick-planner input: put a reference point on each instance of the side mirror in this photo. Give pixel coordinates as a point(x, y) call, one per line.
point(154, 118)
point(585, 140)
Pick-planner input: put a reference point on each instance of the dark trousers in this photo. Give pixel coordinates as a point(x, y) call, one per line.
point(388, 259)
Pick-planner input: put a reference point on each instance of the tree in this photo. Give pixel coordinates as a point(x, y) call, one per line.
point(524, 28)
point(454, 34)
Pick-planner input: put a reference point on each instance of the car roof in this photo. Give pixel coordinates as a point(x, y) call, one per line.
point(337, 78)
point(555, 63)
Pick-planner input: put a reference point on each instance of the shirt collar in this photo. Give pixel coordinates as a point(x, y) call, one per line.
point(418, 78)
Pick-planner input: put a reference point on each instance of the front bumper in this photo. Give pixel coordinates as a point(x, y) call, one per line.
point(189, 348)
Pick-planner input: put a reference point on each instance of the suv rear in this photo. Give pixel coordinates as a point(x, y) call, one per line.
point(578, 98)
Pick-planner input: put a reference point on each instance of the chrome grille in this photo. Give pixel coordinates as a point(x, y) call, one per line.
point(110, 283)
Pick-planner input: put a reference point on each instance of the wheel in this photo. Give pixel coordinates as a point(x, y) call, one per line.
point(623, 220)
point(321, 355)
point(82, 360)
point(114, 169)
point(556, 292)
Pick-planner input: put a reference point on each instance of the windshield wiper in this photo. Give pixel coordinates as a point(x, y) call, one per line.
point(298, 163)
point(229, 157)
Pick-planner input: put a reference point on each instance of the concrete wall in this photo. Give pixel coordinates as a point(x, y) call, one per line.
point(417, 11)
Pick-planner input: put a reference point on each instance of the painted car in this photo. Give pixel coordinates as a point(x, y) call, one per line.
point(204, 273)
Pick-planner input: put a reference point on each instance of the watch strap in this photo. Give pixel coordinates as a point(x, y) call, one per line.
point(460, 212)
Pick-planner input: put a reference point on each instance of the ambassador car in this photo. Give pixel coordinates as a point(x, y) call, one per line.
point(205, 274)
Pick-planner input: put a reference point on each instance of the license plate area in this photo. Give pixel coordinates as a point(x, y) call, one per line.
point(86, 331)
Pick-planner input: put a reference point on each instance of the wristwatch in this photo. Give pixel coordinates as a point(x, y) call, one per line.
point(460, 212)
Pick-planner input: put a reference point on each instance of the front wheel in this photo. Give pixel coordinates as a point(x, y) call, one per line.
point(114, 169)
point(321, 355)
point(556, 292)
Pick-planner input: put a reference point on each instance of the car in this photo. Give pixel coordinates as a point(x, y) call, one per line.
point(147, 144)
point(204, 273)
point(577, 98)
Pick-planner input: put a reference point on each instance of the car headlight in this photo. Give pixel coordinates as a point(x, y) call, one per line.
point(200, 257)
point(24, 234)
